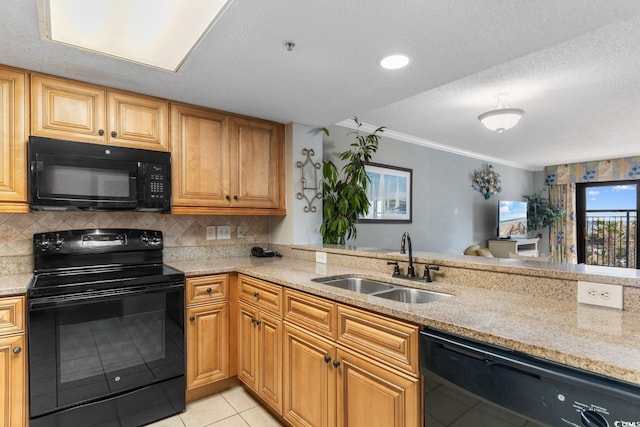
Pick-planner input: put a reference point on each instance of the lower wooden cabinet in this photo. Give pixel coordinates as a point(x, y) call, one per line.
point(13, 363)
point(207, 330)
point(327, 383)
point(260, 353)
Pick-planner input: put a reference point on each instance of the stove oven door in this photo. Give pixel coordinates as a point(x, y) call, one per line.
point(106, 359)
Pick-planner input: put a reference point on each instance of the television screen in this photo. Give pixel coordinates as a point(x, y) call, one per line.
point(512, 219)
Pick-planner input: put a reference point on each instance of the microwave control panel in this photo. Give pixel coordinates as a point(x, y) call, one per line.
point(157, 183)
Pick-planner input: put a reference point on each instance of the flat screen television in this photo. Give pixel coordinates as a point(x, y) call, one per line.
point(512, 219)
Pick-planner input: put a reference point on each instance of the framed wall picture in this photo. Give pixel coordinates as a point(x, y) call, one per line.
point(389, 194)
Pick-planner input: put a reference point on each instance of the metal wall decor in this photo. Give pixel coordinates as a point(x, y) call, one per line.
point(310, 184)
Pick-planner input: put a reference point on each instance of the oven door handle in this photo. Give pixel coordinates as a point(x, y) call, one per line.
point(42, 303)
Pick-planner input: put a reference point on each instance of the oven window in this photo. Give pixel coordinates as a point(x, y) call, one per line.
point(95, 349)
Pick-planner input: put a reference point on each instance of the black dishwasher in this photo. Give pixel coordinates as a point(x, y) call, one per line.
point(469, 383)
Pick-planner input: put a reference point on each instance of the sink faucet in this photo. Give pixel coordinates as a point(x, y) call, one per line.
point(406, 238)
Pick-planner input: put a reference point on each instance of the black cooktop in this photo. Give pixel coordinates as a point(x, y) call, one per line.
point(97, 259)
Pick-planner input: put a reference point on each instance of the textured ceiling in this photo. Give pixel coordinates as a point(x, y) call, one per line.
point(573, 65)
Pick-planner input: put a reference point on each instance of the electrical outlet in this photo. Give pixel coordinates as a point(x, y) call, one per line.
point(321, 257)
point(211, 232)
point(602, 294)
point(241, 232)
point(224, 232)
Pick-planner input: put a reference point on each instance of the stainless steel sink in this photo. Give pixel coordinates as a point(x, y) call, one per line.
point(412, 296)
point(356, 284)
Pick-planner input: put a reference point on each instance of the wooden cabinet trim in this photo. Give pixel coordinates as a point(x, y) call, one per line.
point(266, 296)
point(387, 339)
point(207, 289)
point(310, 312)
point(11, 315)
point(14, 113)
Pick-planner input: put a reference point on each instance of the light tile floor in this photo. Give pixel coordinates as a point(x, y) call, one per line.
point(231, 408)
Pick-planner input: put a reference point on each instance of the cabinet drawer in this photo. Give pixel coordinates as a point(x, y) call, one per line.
point(262, 294)
point(311, 313)
point(11, 315)
point(377, 336)
point(207, 289)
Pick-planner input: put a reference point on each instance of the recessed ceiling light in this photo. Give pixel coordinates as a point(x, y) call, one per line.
point(160, 33)
point(395, 61)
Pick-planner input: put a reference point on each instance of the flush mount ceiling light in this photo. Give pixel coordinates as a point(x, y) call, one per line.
point(395, 61)
point(159, 33)
point(502, 118)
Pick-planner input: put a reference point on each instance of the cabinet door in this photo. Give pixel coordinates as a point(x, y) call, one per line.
point(370, 394)
point(248, 346)
point(200, 151)
point(12, 381)
point(13, 141)
point(309, 379)
point(207, 344)
point(256, 159)
point(67, 110)
point(138, 122)
point(270, 360)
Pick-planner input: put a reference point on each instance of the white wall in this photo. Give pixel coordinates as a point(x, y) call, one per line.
point(299, 227)
point(448, 215)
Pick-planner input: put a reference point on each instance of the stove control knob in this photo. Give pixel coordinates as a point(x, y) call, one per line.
point(44, 243)
point(58, 242)
point(593, 419)
point(156, 240)
point(144, 239)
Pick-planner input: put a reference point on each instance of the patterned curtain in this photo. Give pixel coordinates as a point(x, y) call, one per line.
point(561, 180)
point(562, 237)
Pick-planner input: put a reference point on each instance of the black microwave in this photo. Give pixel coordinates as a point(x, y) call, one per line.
point(68, 175)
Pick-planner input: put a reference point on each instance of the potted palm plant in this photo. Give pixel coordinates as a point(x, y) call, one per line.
point(541, 213)
point(345, 194)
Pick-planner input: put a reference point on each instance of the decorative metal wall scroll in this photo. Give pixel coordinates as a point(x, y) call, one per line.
point(310, 184)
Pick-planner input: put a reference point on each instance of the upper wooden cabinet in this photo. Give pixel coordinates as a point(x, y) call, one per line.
point(77, 111)
point(13, 140)
point(223, 161)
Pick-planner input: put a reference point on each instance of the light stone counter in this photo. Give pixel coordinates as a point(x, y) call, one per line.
point(597, 339)
point(14, 284)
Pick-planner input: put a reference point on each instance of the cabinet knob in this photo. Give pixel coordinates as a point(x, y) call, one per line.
point(253, 320)
point(235, 197)
point(192, 318)
point(256, 294)
point(228, 197)
point(101, 132)
point(336, 363)
point(114, 133)
point(17, 350)
point(258, 322)
point(208, 290)
point(327, 359)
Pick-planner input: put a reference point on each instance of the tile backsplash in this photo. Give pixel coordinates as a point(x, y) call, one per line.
point(16, 230)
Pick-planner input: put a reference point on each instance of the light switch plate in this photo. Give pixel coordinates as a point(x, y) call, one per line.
point(224, 232)
point(211, 232)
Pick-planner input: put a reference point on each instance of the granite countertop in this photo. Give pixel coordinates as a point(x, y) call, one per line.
point(596, 339)
point(601, 340)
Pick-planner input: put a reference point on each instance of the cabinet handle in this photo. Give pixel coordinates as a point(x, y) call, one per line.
point(235, 197)
point(228, 197)
point(101, 132)
point(256, 294)
point(114, 133)
point(327, 358)
point(336, 363)
point(192, 318)
point(258, 322)
point(17, 350)
point(208, 290)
